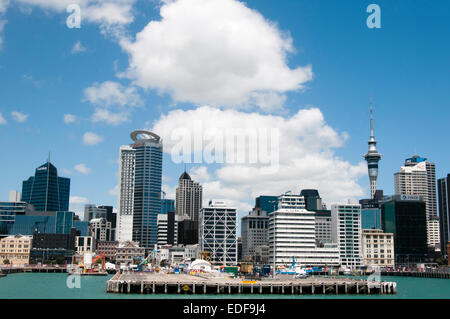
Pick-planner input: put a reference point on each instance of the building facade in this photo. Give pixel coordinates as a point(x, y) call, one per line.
point(254, 232)
point(188, 197)
point(128, 252)
point(108, 248)
point(418, 177)
point(346, 232)
point(140, 174)
point(100, 229)
point(323, 227)
point(217, 233)
point(168, 229)
point(292, 235)
point(444, 211)
point(46, 191)
point(405, 217)
point(16, 250)
point(378, 248)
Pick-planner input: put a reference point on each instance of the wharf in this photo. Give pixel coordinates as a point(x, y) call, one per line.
point(158, 283)
point(422, 274)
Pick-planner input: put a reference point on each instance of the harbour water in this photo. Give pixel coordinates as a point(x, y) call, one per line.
point(54, 286)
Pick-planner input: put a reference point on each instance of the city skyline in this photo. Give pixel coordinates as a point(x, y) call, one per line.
point(77, 110)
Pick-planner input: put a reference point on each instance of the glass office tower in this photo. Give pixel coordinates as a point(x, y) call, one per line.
point(147, 187)
point(46, 191)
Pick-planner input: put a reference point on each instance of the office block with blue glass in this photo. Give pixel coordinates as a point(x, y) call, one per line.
point(371, 218)
point(46, 191)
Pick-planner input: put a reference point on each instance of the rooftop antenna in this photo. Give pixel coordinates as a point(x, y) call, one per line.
point(48, 159)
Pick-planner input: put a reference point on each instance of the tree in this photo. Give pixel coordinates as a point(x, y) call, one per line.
point(6, 261)
point(60, 260)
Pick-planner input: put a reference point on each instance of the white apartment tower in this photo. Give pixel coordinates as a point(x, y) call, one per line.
point(346, 232)
point(292, 234)
point(188, 201)
point(418, 177)
point(127, 162)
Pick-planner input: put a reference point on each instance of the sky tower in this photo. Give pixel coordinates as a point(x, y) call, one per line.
point(372, 157)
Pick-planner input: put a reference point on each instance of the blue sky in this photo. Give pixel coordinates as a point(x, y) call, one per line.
point(404, 66)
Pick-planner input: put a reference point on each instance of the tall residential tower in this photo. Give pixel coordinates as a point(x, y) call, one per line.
point(140, 173)
point(372, 157)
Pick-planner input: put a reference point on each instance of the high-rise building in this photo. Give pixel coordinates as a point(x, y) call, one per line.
point(292, 235)
point(372, 157)
point(100, 229)
point(267, 203)
point(167, 206)
point(323, 227)
point(444, 211)
point(313, 201)
point(46, 191)
point(405, 217)
point(346, 229)
point(217, 232)
point(188, 197)
point(418, 177)
point(254, 232)
point(140, 174)
point(168, 229)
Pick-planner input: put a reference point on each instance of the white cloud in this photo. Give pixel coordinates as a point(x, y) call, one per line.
point(199, 174)
point(104, 115)
point(111, 93)
point(3, 6)
point(69, 118)
point(2, 26)
point(90, 138)
point(77, 48)
point(306, 155)
point(106, 13)
point(78, 200)
point(2, 119)
point(19, 117)
point(82, 168)
point(216, 52)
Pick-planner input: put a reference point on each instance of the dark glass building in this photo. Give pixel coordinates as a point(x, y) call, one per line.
point(405, 217)
point(444, 211)
point(187, 232)
point(167, 205)
point(313, 202)
point(268, 204)
point(46, 191)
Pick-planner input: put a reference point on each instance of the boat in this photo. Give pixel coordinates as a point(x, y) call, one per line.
point(297, 271)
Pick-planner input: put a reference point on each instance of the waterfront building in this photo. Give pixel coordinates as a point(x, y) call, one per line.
point(254, 232)
point(107, 248)
point(43, 222)
point(372, 157)
point(217, 233)
point(187, 231)
point(323, 227)
point(266, 203)
point(313, 201)
point(292, 235)
point(444, 211)
point(100, 229)
point(168, 229)
point(262, 254)
point(418, 177)
point(188, 197)
point(50, 246)
point(346, 232)
point(127, 163)
point(8, 213)
point(177, 255)
point(140, 173)
point(46, 191)
point(128, 252)
point(405, 217)
point(16, 249)
point(377, 248)
point(84, 245)
point(371, 211)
